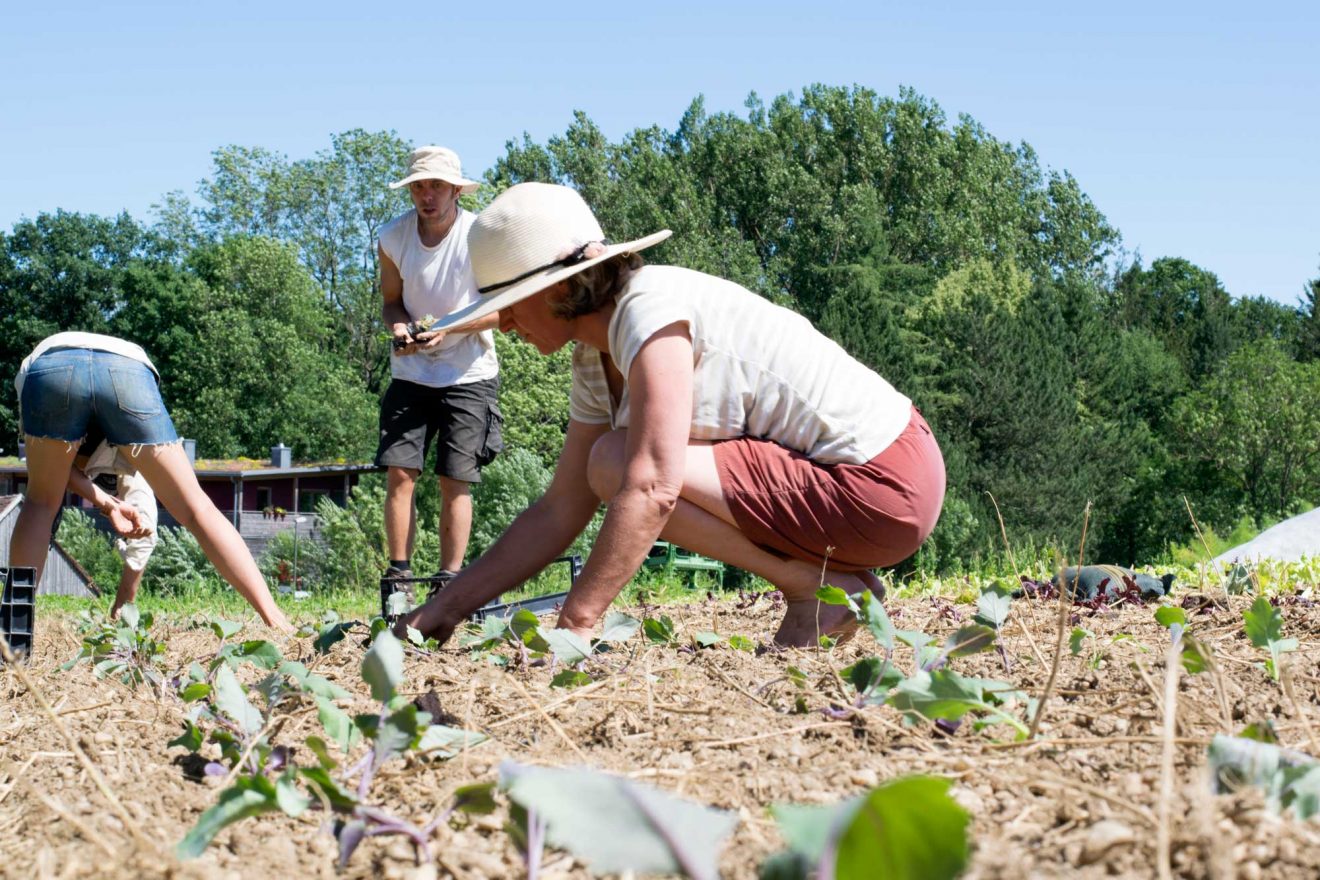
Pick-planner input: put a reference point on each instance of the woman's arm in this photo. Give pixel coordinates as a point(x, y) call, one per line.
point(124, 517)
point(532, 541)
point(655, 453)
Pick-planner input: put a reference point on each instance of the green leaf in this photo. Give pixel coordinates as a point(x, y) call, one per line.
point(198, 690)
point(659, 631)
point(1078, 636)
point(707, 639)
point(319, 748)
point(223, 629)
point(320, 780)
point(397, 732)
point(875, 617)
point(1195, 655)
point(992, 608)
point(231, 699)
point(1168, 615)
point(382, 667)
point(618, 825)
point(316, 685)
point(415, 636)
point(477, 799)
point(742, 643)
point(873, 677)
point(969, 640)
point(835, 596)
point(1263, 622)
point(909, 829)
point(260, 653)
point(570, 678)
point(619, 627)
point(567, 645)
point(244, 799)
point(439, 741)
point(338, 725)
point(129, 615)
point(1289, 778)
point(287, 796)
point(1261, 732)
point(190, 739)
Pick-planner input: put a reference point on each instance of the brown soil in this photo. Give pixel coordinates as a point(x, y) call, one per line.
point(716, 726)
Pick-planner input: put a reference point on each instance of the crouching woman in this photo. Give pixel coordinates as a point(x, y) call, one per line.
point(700, 413)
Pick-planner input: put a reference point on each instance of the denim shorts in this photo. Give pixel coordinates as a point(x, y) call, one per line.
point(71, 391)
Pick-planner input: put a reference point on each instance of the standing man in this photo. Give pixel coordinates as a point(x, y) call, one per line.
point(445, 382)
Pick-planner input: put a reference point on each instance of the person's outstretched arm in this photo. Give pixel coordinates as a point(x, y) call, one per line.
point(654, 461)
point(538, 535)
point(124, 517)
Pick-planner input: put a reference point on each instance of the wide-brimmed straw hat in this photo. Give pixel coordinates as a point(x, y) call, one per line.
point(436, 163)
point(530, 237)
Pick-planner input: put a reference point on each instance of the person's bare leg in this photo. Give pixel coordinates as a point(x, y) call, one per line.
point(172, 478)
point(455, 522)
point(48, 465)
point(129, 580)
point(399, 512)
point(702, 522)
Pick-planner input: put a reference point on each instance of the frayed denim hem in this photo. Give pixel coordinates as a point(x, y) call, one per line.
point(69, 445)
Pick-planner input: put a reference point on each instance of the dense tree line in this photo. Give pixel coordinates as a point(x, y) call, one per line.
point(980, 283)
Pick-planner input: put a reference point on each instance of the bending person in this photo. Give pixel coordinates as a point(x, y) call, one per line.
point(700, 413)
point(73, 384)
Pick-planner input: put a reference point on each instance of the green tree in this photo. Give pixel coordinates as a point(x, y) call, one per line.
point(1254, 429)
point(248, 362)
point(61, 271)
point(1184, 306)
point(1308, 333)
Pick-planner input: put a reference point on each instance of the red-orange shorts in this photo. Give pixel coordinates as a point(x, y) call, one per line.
point(858, 515)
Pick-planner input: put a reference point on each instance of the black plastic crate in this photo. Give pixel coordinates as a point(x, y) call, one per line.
point(18, 608)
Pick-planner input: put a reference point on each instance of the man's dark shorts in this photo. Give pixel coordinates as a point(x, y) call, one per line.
point(465, 418)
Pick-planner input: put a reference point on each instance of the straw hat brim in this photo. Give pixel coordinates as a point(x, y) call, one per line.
point(464, 185)
point(528, 286)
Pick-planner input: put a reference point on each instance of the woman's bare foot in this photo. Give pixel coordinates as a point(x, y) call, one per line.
point(807, 619)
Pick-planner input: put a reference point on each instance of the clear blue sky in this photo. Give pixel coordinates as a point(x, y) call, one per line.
point(1195, 127)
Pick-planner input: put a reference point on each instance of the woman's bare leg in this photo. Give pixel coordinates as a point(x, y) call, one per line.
point(702, 522)
point(48, 466)
point(171, 477)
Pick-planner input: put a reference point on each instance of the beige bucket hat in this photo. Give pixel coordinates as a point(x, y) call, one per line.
point(532, 236)
point(436, 163)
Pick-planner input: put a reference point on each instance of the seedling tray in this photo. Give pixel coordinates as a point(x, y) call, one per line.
point(18, 608)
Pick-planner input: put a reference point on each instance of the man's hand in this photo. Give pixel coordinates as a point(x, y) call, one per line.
point(403, 341)
point(125, 520)
point(429, 341)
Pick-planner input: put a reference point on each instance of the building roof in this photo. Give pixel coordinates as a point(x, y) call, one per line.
point(240, 468)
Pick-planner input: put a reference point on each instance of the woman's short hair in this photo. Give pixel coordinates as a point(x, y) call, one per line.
point(593, 287)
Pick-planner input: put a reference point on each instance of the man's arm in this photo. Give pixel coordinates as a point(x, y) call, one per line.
point(432, 338)
point(392, 312)
point(655, 458)
point(538, 535)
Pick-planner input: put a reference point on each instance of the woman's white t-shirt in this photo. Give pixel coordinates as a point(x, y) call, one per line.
point(436, 281)
point(759, 370)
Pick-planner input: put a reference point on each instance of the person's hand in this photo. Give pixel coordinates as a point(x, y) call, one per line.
point(403, 341)
point(126, 520)
point(429, 341)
